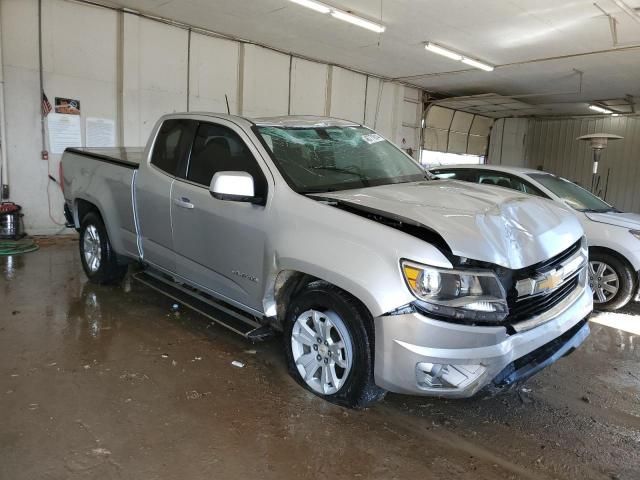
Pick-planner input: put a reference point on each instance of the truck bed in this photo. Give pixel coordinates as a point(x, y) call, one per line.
point(126, 156)
point(104, 177)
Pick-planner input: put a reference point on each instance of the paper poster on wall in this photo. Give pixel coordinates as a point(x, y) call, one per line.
point(101, 132)
point(67, 106)
point(64, 131)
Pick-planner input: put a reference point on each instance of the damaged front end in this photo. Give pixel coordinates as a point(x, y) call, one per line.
point(427, 350)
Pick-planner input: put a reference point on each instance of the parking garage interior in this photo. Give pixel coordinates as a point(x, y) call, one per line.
point(121, 381)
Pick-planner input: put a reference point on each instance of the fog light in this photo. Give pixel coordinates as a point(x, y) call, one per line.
point(440, 376)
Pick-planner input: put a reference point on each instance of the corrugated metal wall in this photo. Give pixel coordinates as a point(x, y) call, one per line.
point(508, 142)
point(553, 145)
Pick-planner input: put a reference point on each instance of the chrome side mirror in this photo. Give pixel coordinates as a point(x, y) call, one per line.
point(234, 187)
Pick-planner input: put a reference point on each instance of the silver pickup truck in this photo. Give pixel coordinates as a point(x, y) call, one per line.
point(380, 279)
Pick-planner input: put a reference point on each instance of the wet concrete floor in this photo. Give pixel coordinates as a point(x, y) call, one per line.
point(109, 383)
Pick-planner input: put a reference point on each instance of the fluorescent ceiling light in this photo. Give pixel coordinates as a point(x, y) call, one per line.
point(432, 47)
point(598, 109)
point(440, 50)
point(359, 21)
point(477, 64)
point(615, 114)
point(313, 5)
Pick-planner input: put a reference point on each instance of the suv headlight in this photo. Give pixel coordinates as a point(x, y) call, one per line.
point(473, 295)
point(635, 233)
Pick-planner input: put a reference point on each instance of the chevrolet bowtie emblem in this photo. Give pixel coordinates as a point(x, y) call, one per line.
point(551, 281)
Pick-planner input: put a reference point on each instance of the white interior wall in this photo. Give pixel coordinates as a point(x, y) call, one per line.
point(308, 87)
point(27, 172)
point(382, 107)
point(347, 94)
point(265, 82)
point(81, 61)
point(507, 142)
point(154, 75)
point(411, 120)
point(213, 74)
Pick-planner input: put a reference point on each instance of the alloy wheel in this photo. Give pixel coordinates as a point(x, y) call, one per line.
point(92, 248)
point(604, 281)
point(322, 350)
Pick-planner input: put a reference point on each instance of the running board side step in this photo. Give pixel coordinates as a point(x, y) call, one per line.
point(225, 315)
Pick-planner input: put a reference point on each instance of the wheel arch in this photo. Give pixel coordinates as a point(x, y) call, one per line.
point(635, 279)
point(617, 255)
point(82, 207)
point(287, 283)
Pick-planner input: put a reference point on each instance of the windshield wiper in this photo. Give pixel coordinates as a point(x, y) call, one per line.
point(361, 176)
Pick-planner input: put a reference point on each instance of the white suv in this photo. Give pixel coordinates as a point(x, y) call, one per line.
point(614, 236)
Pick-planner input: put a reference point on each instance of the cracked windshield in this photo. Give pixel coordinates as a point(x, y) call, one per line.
point(325, 159)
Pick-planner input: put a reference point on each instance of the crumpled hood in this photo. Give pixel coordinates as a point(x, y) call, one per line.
point(484, 223)
point(626, 220)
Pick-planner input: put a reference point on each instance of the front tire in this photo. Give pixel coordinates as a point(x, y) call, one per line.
point(328, 338)
point(99, 260)
point(611, 280)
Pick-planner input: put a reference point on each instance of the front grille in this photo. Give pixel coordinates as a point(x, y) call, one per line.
point(528, 307)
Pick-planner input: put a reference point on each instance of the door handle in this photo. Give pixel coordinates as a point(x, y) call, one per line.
point(183, 202)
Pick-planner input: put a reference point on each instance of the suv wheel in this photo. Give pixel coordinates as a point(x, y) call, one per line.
point(99, 261)
point(611, 280)
point(329, 346)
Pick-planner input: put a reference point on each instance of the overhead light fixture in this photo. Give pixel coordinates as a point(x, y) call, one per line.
point(445, 52)
point(316, 6)
point(359, 21)
point(477, 64)
point(615, 114)
point(435, 48)
point(341, 15)
point(599, 109)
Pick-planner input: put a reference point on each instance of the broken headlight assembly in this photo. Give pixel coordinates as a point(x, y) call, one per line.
point(465, 295)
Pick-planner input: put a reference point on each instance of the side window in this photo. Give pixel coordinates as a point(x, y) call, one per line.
point(531, 190)
point(507, 181)
point(172, 144)
point(218, 149)
point(489, 177)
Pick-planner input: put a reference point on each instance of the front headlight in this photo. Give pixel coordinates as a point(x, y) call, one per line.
point(635, 233)
point(473, 295)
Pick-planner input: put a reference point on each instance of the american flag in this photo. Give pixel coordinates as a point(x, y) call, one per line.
point(46, 106)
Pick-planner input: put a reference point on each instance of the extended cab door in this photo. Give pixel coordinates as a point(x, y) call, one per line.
point(220, 244)
point(153, 191)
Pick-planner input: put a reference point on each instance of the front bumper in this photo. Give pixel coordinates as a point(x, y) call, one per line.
point(409, 346)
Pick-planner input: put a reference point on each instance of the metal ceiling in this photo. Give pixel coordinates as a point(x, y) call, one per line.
point(536, 45)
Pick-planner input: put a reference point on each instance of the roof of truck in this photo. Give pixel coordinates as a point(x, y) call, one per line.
point(303, 121)
point(286, 121)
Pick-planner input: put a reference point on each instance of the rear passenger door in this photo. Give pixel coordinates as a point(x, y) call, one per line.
point(153, 191)
point(220, 244)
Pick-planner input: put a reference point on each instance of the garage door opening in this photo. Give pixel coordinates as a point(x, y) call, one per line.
point(452, 137)
point(432, 158)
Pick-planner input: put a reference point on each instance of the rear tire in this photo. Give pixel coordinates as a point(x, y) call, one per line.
point(99, 260)
point(612, 281)
point(328, 337)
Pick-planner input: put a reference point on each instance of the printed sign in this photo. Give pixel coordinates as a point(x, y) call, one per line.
point(372, 138)
point(67, 106)
point(101, 132)
point(64, 131)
